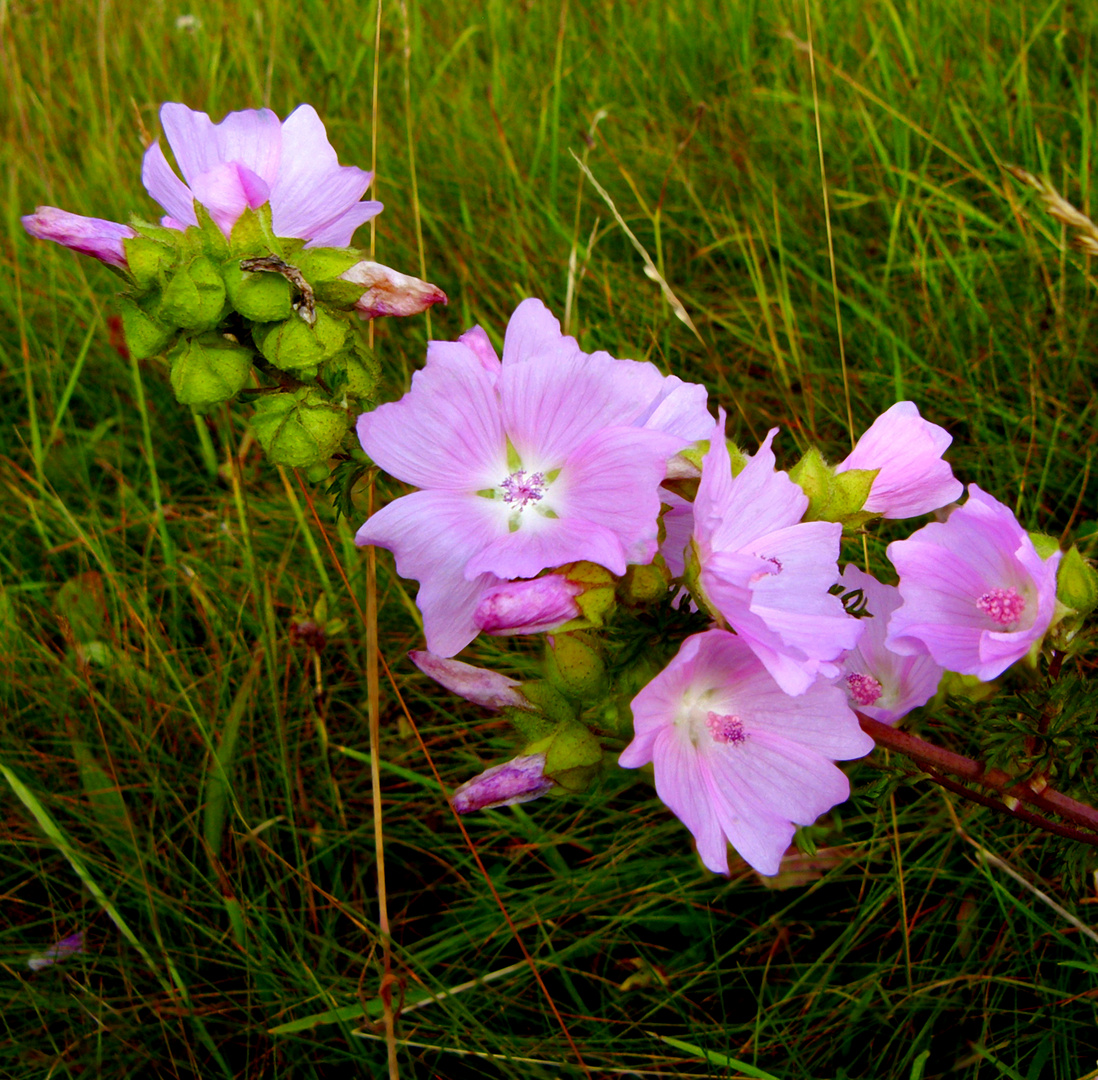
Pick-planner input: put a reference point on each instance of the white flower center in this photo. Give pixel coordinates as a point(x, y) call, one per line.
point(725, 729)
point(1004, 606)
point(864, 689)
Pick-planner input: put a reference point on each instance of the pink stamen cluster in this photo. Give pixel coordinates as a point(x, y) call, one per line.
point(1004, 606)
point(864, 689)
point(725, 729)
point(522, 488)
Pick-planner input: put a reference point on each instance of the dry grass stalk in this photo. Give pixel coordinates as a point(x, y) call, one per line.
point(1086, 232)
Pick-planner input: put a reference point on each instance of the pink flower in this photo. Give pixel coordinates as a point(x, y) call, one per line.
point(90, 236)
point(913, 478)
point(764, 571)
point(976, 595)
point(478, 685)
point(528, 607)
point(736, 759)
point(251, 158)
point(389, 292)
point(524, 465)
point(520, 780)
point(59, 950)
point(880, 683)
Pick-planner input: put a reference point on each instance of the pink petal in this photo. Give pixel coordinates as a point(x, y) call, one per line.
point(227, 190)
point(478, 685)
point(340, 230)
point(388, 292)
point(192, 138)
point(528, 607)
point(167, 189)
point(432, 535)
point(478, 341)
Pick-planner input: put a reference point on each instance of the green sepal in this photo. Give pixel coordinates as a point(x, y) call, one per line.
point(352, 376)
point(575, 665)
point(260, 296)
point(1045, 545)
point(323, 265)
point(149, 258)
point(597, 599)
point(145, 335)
point(643, 585)
point(572, 756)
point(1077, 583)
point(194, 298)
point(299, 429)
point(214, 242)
point(529, 725)
point(293, 343)
point(208, 369)
point(833, 497)
point(691, 579)
point(548, 701)
point(253, 235)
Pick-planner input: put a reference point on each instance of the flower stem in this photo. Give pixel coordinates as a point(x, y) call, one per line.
point(1012, 791)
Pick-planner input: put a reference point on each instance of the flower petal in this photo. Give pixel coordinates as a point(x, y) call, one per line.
point(90, 236)
point(167, 189)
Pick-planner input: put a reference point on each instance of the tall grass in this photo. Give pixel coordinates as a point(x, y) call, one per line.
point(188, 761)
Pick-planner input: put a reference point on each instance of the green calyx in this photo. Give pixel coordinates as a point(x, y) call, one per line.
point(145, 334)
point(572, 756)
point(644, 585)
point(208, 368)
point(833, 497)
point(194, 297)
point(1077, 583)
point(575, 665)
point(300, 428)
point(293, 344)
point(261, 297)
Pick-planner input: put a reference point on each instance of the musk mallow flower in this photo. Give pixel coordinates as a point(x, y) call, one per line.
point(913, 479)
point(248, 159)
point(763, 571)
point(976, 594)
point(251, 158)
point(735, 758)
point(523, 465)
point(528, 607)
point(879, 682)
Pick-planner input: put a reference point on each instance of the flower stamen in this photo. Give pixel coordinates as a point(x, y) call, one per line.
point(1004, 606)
point(864, 689)
point(725, 729)
point(522, 489)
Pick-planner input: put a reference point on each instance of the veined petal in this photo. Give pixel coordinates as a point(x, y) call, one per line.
point(543, 544)
point(446, 432)
point(251, 138)
point(432, 535)
point(478, 341)
point(192, 138)
point(167, 189)
point(340, 231)
point(97, 237)
point(227, 190)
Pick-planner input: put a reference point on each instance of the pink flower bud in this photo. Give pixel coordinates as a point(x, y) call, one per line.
point(528, 607)
point(478, 685)
point(519, 780)
point(90, 236)
point(389, 292)
point(67, 946)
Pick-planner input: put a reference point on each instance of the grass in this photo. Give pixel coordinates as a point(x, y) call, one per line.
point(188, 777)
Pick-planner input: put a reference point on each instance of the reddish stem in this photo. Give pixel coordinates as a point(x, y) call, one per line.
point(935, 761)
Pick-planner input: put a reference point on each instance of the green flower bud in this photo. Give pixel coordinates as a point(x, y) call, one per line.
point(572, 756)
point(575, 665)
point(1077, 583)
point(644, 585)
point(194, 299)
point(145, 335)
point(293, 344)
point(352, 376)
point(151, 254)
point(549, 702)
point(208, 369)
point(261, 297)
point(299, 429)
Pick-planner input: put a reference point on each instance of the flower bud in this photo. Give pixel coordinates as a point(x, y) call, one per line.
point(299, 429)
point(260, 296)
point(519, 780)
point(478, 685)
point(576, 665)
point(194, 299)
point(388, 292)
point(528, 607)
point(293, 344)
point(572, 756)
point(1077, 583)
point(101, 239)
point(208, 369)
point(145, 335)
point(151, 254)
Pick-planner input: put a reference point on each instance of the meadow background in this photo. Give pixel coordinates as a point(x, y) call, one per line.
point(187, 772)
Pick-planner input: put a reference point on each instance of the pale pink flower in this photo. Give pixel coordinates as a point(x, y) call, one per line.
point(880, 683)
point(764, 571)
point(251, 158)
point(524, 465)
point(736, 758)
point(481, 686)
point(389, 292)
point(59, 950)
point(976, 595)
point(907, 449)
point(520, 780)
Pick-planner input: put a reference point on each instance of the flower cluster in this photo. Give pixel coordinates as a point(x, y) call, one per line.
point(250, 274)
point(557, 489)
